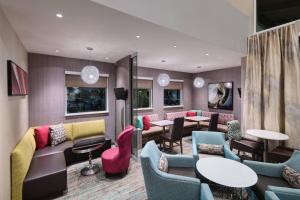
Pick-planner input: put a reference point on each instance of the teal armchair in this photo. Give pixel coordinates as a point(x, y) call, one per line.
point(162, 185)
point(208, 137)
point(271, 185)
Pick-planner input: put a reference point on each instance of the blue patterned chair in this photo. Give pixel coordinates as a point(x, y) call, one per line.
point(270, 184)
point(178, 183)
point(208, 137)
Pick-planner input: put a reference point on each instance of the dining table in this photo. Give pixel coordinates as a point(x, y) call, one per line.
point(197, 119)
point(267, 135)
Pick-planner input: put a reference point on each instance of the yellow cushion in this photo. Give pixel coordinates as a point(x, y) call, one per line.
point(69, 131)
point(20, 161)
point(89, 128)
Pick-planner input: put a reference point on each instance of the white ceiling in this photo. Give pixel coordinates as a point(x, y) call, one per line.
point(112, 34)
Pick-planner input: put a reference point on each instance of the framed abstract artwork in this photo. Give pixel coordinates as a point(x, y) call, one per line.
point(17, 80)
point(220, 95)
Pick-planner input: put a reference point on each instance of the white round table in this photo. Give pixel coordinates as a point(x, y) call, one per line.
point(267, 135)
point(226, 172)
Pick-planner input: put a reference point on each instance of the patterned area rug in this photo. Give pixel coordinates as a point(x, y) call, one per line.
point(131, 186)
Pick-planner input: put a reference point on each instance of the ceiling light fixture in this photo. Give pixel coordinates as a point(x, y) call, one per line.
point(138, 36)
point(106, 58)
point(163, 79)
point(90, 74)
point(199, 82)
point(174, 46)
point(56, 51)
point(207, 54)
point(163, 61)
point(59, 15)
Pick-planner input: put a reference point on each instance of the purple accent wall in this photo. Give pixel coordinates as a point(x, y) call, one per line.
point(47, 90)
point(158, 104)
point(200, 96)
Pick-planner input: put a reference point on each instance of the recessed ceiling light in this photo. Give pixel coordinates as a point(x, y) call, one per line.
point(163, 61)
point(199, 67)
point(59, 15)
point(106, 58)
point(207, 54)
point(174, 46)
point(138, 36)
point(57, 51)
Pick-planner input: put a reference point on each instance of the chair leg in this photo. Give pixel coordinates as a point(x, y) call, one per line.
point(171, 145)
point(164, 145)
point(181, 147)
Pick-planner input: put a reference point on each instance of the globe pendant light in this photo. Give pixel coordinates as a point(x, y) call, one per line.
point(199, 82)
point(163, 79)
point(90, 74)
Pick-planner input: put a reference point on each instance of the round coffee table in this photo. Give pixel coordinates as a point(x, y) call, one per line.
point(227, 172)
point(91, 168)
point(267, 135)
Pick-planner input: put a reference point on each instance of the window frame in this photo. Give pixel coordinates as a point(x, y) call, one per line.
point(181, 105)
point(150, 93)
point(106, 111)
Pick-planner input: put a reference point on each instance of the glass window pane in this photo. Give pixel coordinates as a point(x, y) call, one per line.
point(82, 99)
point(143, 99)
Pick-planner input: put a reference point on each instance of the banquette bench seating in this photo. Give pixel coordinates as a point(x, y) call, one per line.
point(42, 173)
point(154, 132)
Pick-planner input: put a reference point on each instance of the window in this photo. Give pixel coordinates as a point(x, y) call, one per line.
point(173, 94)
point(82, 98)
point(143, 94)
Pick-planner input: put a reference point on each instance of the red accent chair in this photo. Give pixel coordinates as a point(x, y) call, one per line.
point(116, 160)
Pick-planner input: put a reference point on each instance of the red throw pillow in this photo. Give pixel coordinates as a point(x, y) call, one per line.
point(191, 114)
point(41, 135)
point(146, 122)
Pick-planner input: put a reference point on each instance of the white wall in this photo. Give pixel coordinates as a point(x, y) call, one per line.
point(13, 110)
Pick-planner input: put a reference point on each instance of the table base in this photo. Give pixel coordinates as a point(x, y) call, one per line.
point(90, 170)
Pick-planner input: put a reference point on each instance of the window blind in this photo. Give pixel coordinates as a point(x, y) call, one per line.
point(76, 81)
point(144, 84)
point(173, 85)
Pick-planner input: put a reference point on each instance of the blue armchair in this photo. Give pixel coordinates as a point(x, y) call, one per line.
point(162, 185)
point(208, 137)
point(270, 183)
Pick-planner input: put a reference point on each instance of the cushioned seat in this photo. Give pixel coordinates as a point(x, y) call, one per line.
point(264, 181)
point(223, 128)
point(183, 171)
point(188, 124)
point(46, 177)
point(204, 155)
point(204, 124)
point(111, 154)
point(153, 130)
point(52, 150)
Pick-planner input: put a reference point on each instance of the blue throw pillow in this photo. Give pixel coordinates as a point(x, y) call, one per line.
point(199, 112)
point(139, 122)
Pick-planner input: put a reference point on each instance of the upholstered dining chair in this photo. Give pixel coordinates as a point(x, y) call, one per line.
point(174, 135)
point(116, 160)
point(213, 123)
point(178, 183)
point(270, 184)
point(209, 137)
point(240, 143)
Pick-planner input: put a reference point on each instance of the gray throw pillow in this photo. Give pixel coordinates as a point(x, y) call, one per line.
point(291, 176)
point(57, 134)
point(213, 149)
point(163, 163)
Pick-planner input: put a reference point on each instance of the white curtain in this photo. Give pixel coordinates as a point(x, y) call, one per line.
point(272, 83)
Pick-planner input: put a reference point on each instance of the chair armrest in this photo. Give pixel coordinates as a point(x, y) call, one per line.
point(180, 160)
point(271, 196)
point(229, 154)
point(206, 193)
point(285, 193)
point(194, 149)
point(266, 169)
